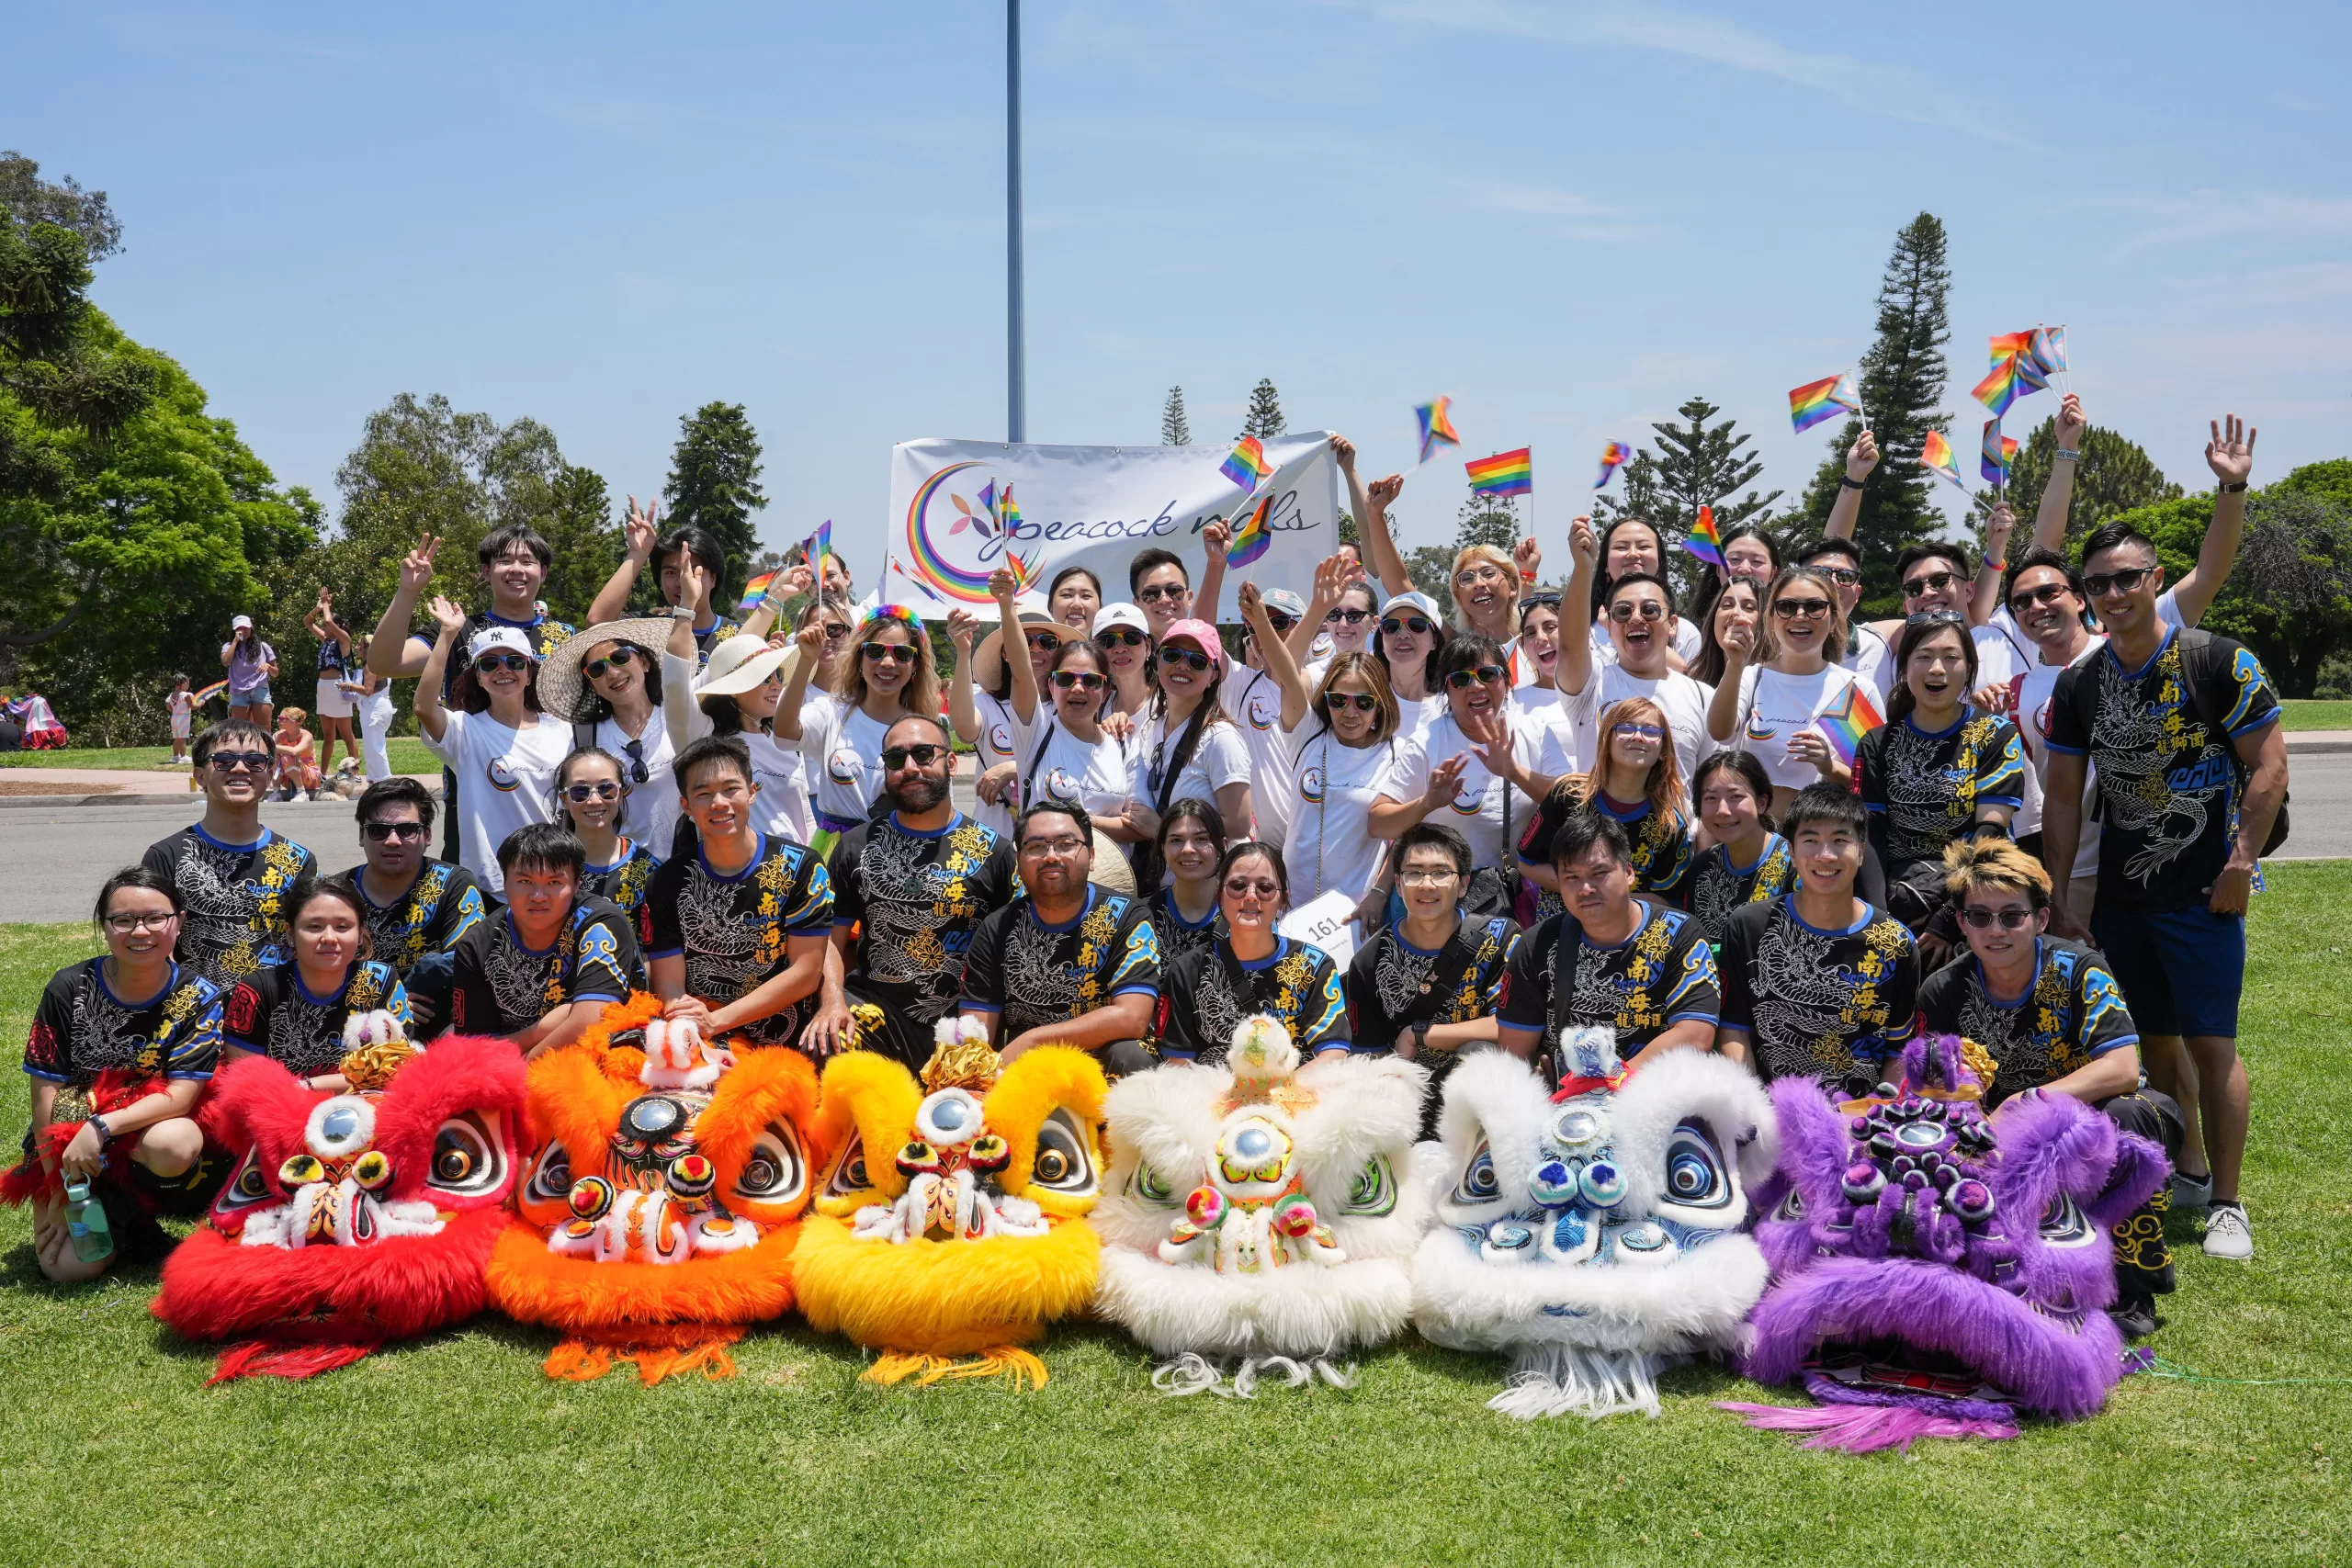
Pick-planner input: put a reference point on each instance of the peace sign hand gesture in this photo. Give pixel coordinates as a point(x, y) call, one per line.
point(416, 566)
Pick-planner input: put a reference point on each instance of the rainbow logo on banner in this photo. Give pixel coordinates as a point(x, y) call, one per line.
point(1937, 454)
point(1704, 542)
point(1436, 420)
point(1845, 725)
point(1505, 473)
point(1246, 464)
point(949, 577)
point(1250, 540)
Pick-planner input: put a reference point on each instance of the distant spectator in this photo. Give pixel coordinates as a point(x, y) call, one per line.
point(333, 700)
point(372, 695)
point(250, 662)
point(181, 705)
point(297, 756)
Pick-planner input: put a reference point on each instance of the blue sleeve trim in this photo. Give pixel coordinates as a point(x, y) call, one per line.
point(2014, 802)
point(47, 1077)
point(197, 1078)
point(1706, 1017)
point(674, 951)
point(1167, 1055)
point(242, 1045)
point(972, 1005)
point(824, 929)
point(1875, 807)
point(1151, 991)
point(2117, 1044)
point(599, 997)
point(2258, 720)
point(2048, 745)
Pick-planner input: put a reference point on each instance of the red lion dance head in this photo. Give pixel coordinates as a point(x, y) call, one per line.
point(658, 1211)
point(352, 1218)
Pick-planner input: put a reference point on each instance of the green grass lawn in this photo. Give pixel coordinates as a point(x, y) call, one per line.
point(407, 752)
point(2312, 714)
point(457, 1449)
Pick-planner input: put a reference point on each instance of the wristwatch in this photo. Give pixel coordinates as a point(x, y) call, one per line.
point(2235, 488)
point(682, 612)
point(1421, 1038)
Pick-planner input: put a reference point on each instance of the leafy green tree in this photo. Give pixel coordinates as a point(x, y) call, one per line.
point(2113, 477)
point(1430, 567)
point(715, 485)
point(1175, 429)
point(32, 199)
point(1264, 418)
point(1486, 520)
point(1903, 388)
point(1695, 465)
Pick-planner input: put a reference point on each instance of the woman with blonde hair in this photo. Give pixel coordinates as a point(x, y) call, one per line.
point(1779, 679)
point(1635, 782)
point(886, 675)
point(1484, 584)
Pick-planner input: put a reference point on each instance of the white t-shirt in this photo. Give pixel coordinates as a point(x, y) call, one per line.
point(996, 746)
point(842, 746)
point(781, 806)
point(652, 814)
point(1100, 777)
point(1478, 808)
point(1253, 700)
point(1773, 707)
point(1867, 655)
point(1331, 788)
point(1222, 758)
point(1415, 718)
point(506, 781)
point(1683, 699)
point(1686, 640)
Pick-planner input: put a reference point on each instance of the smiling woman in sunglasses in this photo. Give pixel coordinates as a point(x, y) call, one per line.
point(492, 735)
point(1779, 679)
point(1252, 968)
point(591, 797)
point(737, 693)
point(1188, 746)
point(606, 683)
point(1124, 635)
point(1407, 640)
point(887, 674)
point(1637, 782)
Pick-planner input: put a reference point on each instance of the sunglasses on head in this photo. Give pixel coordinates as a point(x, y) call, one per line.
point(1929, 583)
point(887, 653)
point(1363, 702)
point(381, 833)
point(1191, 658)
point(619, 658)
point(1353, 617)
point(1801, 609)
point(2048, 593)
point(1118, 637)
point(2126, 581)
point(922, 754)
point(1936, 618)
point(1416, 625)
point(517, 662)
point(582, 794)
point(1982, 918)
point(1076, 680)
point(1159, 590)
point(1484, 675)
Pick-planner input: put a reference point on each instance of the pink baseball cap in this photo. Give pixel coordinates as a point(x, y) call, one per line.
point(1199, 632)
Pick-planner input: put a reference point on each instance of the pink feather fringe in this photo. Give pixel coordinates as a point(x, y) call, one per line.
point(1865, 1429)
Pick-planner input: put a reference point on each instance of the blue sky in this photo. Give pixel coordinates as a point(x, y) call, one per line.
point(1569, 217)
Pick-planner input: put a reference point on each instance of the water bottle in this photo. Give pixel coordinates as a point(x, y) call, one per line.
point(86, 1220)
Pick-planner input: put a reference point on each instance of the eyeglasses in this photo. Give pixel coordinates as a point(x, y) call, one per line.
point(1929, 583)
point(1981, 918)
point(1076, 680)
point(1801, 609)
point(1058, 849)
point(381, 833)
point(1191, 658)
point(1118, 637)
point(887, 653)
point(1044, 640)
point(1244, 887)
point(492, 663)
point(1414, 623)
point(922, 755)
point(2127, 581)
point(1353, 617)
point(2048, 593)
point(1484, 675)
point(123, 925)
point(241, 761)
point(619, 658)
point(1426, 876)
point(582, 794)
point(836, 630)
point(1638, 732)
point(1159, 591)
point(1648, 609)
point(1476, 575)
point(1843, 576)
point(1363, 702)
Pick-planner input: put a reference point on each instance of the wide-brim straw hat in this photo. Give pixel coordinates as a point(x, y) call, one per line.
point(742, 662)
point(563, 686)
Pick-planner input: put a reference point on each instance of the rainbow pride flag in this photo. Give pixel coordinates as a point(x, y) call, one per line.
point(205, 694)
point(1704, 542)
point(1251, 539)
point(1248, 463)
point(1999, 388)
point(1505, 473)
point(818, 545)
point(1436, 420)
point(1999, 453)
point(2007, 346)
point(1936, 455)
point(1845, 725)
point(1613, 457)
point(753, 592)
point(2048, 350)
point(1008, 514)
point(1825, 399)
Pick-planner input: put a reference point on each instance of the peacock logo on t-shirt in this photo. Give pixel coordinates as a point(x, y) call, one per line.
point(1264, 708)
point(1758, 730)
point(503, 775)
point(1000, 739)
point(1469, 803)
point(1310, 786)
point(846, 766)
point(1059, 784)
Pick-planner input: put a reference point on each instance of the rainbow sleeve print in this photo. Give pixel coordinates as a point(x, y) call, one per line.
point(1845, 725)
point(1704, 542)
point(1613, 457)
point(1936, 455)
point(1825, 399)
point(1998, 454)
point(1248, 464)
point(753, 592)
point(1436, 420)
point(1251, 539)
point(1505, 473)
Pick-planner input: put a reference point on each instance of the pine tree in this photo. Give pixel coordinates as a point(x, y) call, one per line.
point(1175, 429)
point(715, 485)
point(1695, 465)
point(1265, 419)
point(2113, 476)
point(1487, 520)
point(1903, 384)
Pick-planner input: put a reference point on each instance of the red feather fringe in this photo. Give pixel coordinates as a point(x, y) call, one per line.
point(37, 1176)
point(274, 1358)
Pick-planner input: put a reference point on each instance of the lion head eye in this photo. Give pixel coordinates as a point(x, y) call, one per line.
point(1065, 1162)
point(1374, 1192)
point(468, 1157)
point(775, 1171)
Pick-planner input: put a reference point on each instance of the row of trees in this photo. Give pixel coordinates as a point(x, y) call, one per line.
point(1263, 418)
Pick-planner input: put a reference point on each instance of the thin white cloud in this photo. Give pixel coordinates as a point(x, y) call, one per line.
point(2216, 215)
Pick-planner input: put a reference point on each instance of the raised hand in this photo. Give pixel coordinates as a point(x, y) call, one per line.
point(810, 640)
point(1330, 580)
point(416, 566)
point(447, 617)
point(2071, 422)
point(1527, 556)
point(2231, 452)
point(1002, 588)
point(694, 583)
point(961, 627)
point(1737, 639)
point(1998, 528)
point(798, 580)
point(1216, 539)
point(1862, 457)
point(1444, 779)
point(1344, 450)
point(1252, 603)
point(1384, 492)
point(1584, 545)
point(640, 529)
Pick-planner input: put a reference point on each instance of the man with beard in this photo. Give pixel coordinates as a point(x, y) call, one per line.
point(909, 889)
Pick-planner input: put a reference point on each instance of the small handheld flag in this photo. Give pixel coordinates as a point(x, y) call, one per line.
point(2048, 350)
point(1248, 463)
point(1704, 541)
point(1999, 388)
point(1436, 420)
point(1505, 473)
point(1251, 539)
point(1845, 725)
point(1999, 453)
point(2007, 346)
point(209, 693)
point(1613, 457)
point(818, 545)
point(753, 592)
point(1936, 455)
point(1825, 399)
point(1008, 514)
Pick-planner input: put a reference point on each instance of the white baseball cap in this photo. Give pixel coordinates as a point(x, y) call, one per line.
point(494, 638)
point(242, 623)
point(1120, 615)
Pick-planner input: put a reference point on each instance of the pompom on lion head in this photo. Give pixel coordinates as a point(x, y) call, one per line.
point(1937, 1272)
point(950, 1225)
point(1260, 1211)
point(353, 1217)
point(1596, 1233)
point(663, 1198)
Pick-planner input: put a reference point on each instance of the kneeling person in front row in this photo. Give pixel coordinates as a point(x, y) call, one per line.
point(1610, 960)
point(1252, 968)
point(2052, 1018)
point(541, 970)
point(1070, 964)
point(742, 924)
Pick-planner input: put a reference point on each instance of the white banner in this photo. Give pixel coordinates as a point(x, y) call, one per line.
point(961, 508)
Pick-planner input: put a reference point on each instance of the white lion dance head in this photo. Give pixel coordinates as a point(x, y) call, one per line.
point(1596, 1233)
point(1260, 1211)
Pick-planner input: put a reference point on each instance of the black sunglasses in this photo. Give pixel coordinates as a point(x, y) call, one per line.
point(1191, 659)
point(2048, 593)
point(1158, 591)
point(2100, 584)
point(1648, 609)
point(1929, 583)
point(887, 653)
point(619, 658)
point(379, 832)
point(516, 663)
point(1353, 617)
point(1843, 576)
point(922, 755)
point(1043, 640)
point(1800, 609)
point(242, 762)
point(1981, 918)
point(1417, 626)
point(1076, 680)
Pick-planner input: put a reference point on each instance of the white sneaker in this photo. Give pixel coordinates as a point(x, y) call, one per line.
point(2192, 1192)
point(2227, 1234)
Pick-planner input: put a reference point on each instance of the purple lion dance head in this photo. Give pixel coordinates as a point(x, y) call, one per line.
point(1937, 1271)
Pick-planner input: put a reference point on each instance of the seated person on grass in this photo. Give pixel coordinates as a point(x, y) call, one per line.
point(294, 1013)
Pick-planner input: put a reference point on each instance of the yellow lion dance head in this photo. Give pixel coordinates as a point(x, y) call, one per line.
point(951, 1223)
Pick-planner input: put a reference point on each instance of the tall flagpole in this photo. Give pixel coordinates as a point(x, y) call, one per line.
point(1016, 391)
